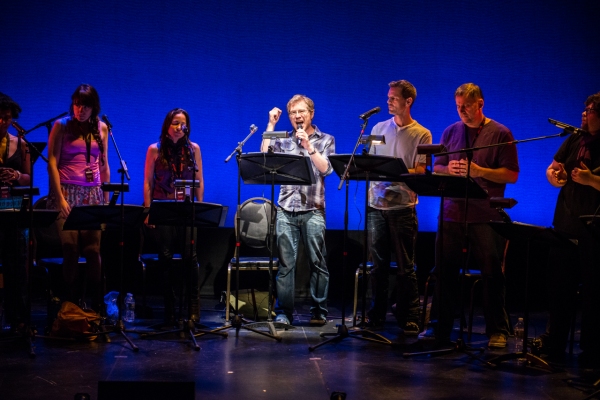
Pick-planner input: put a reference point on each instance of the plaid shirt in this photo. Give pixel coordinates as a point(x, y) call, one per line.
point(295, 198)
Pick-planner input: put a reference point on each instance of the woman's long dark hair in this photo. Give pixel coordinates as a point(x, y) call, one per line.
point(164, 138)
point(88, 96)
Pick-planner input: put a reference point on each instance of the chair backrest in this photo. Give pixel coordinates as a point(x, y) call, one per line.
point(255, 218)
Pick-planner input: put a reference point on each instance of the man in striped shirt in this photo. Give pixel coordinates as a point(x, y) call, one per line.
point(301, 211)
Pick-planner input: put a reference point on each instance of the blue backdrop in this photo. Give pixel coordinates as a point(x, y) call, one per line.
point(229, 62)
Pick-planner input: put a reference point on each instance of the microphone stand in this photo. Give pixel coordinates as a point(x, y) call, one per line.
point(237, 321)
point(47, 124)
point(238, 149)
point(119, 327)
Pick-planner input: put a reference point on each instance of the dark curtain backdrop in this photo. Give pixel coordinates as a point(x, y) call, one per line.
point(229, 62)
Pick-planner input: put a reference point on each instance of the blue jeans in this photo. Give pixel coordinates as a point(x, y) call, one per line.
point(393, 230)
point(291, 227)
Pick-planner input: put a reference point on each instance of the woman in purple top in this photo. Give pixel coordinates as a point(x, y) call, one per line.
point(171, 158)
point(77, 165)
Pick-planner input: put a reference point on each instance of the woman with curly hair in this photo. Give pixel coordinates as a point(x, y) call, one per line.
point(173, 157)
point(77, 165)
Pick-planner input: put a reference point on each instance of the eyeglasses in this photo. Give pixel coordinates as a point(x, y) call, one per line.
point(298, 112)
point(589, 110)
point(6, 117)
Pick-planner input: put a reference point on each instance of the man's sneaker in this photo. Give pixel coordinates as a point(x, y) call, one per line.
point(428, 335)
point(497, 341)
point(411, 329)
point(318, 320)
point(281, 318)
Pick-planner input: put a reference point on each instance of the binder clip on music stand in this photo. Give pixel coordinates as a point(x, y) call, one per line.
point(190, 215)
point(270, 169)
point(108, 218)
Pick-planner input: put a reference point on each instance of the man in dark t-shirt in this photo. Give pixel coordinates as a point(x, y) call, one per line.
point(492, 169)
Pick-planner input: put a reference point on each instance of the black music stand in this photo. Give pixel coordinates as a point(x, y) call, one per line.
point(21, 218)
point(103, 217)
point(269, 169)
point(524, 232)
point(177, 213)
point(366, 168)
point(444, 185)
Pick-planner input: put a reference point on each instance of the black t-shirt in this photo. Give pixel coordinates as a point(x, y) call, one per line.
point(575, 199)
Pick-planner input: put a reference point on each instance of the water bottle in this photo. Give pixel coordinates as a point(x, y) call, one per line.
point(129, 308)
point(519, 330)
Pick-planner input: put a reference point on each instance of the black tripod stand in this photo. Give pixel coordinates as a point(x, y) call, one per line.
point(177, 213)
point(359, 168)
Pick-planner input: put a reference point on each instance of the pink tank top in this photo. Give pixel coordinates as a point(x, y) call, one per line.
point(73, 163)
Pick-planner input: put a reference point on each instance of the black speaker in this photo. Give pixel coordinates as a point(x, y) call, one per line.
point(146, 390)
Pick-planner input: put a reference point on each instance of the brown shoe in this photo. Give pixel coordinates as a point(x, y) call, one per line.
point(497, 341)
point(318, 320)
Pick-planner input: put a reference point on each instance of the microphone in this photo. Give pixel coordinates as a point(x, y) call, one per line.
point(299, 126)
point(369, 113)
point(567, 128)
point(107, 122)
point(253, 128)
point(185, 130)
point(18, 127)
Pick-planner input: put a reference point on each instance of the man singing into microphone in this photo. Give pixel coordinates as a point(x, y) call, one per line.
point(301, 211)
point(492, 168)
point(392, 216)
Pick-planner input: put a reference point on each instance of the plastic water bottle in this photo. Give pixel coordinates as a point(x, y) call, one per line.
point(129, 308)
point(519, 331)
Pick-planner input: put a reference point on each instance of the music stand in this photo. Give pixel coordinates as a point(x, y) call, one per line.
point(177, 213)
point(269, 169)
point(102, 217)
point(366, 168)
point(525, 232)
point(21, 218)
point(454, 186)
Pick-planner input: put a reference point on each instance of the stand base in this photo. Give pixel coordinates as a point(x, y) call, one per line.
point(529, 358)
point(28, 334)
point(118, 328)
point(238, 322)
point(343, 333)
point(586, 387)
point(185, 326)
point(458, 346)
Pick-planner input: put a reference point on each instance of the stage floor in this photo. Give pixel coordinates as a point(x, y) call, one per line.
point(252, 366)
